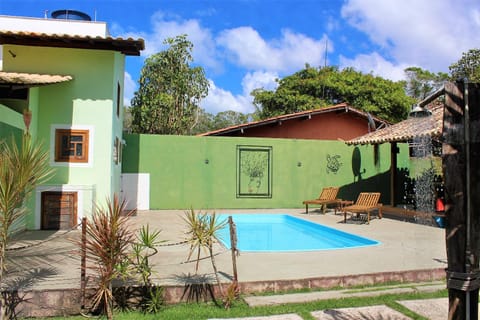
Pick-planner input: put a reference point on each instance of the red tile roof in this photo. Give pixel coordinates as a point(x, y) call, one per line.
point(407, 130)
point(303, 114)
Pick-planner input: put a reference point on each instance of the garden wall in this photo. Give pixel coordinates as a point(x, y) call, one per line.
point(11, 124)
point(230, 172)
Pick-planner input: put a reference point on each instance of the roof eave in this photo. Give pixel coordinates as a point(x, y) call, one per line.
point(128, 46)
point(25, 80)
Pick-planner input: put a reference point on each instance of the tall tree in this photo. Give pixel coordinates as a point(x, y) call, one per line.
point(313, 88)
point(170, 91)
point(467, 67)
point(421, 83)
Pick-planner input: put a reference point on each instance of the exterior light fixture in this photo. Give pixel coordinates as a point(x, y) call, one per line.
point(419, 112)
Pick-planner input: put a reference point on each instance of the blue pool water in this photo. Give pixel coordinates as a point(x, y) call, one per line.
point(281, 232)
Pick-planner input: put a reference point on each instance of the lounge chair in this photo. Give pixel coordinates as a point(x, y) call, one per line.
point(366, 203)
point(326, 197)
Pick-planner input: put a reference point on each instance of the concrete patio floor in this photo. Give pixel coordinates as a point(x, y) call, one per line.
point(44, 260)
point(404, 247)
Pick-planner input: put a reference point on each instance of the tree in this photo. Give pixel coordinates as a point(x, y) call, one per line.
point(208, 122)
point(467, 67)
point(313, 88)
point(229, 118)
point(170, 90)
point(127, 119)
point(21, 170)
point(204, 122)
point(421, 83)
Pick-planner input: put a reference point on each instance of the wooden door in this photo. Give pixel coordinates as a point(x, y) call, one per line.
point(59, 210)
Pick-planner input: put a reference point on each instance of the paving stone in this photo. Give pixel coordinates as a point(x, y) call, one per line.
point(271, 300)
point(432, 309)
point(290, 316)
point(364, 313)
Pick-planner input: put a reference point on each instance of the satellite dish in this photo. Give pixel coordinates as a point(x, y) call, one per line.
point(356, 163)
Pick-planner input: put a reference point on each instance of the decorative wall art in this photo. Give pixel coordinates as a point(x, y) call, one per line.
point(333, 163)
point(254, 171)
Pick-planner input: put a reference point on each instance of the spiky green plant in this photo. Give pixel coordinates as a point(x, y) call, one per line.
point(107, 244)
point(143, 249)
point(21, 170)
point(202, 233)
point(233, 291)
point(195, 235)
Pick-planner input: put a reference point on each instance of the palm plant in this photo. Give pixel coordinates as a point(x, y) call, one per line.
point(202, 234)
point(107, 244)
point(21, 170)
point(143, 249)
point(194, 235)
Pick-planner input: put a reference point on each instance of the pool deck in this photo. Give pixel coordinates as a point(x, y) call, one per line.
point(408, 252)
point(404, 247)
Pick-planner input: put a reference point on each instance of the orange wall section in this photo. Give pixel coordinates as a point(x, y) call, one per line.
point(331, 126)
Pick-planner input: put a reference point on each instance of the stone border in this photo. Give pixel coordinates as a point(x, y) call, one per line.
point(46, 303)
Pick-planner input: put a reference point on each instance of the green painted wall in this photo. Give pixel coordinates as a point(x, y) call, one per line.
point(89, 100)
point(117, 120)
point(180, 178)
point(420, 165)
point(11, 123)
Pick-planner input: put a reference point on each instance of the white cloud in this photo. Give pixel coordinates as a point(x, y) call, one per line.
point(219, 99)
point(402, 33)
point(259, 79)
point(170, 26)
point(375, 64)
point(264, 60)
point(430, 34)
point(245, 47)
point(332, 24)
point(129, 87)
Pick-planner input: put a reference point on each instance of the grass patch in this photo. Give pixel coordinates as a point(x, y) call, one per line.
point(203, 311)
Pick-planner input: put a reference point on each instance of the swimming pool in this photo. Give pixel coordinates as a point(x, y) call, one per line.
point(282, 232)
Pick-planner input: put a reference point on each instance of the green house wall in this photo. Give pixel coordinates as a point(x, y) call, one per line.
point(11, 123)
point(202, 172)
point(88, 101)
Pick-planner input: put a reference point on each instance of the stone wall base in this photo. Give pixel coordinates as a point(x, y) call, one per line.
point(47, 303)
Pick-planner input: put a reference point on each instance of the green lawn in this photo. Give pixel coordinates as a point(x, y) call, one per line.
point(203, 311)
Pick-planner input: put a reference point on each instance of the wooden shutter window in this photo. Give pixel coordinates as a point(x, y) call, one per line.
point(71, 145)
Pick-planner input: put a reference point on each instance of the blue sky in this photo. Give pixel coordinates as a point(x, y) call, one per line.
point(247, 44)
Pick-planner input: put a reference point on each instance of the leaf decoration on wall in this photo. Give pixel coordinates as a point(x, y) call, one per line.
point(333, 163)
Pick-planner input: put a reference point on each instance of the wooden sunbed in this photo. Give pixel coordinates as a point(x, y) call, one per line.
point(326, 197)
point(366, 203)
